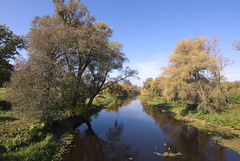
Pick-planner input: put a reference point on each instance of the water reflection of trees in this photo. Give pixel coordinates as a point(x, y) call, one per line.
point(193, 144)
point(90, 147)
point(120, 103)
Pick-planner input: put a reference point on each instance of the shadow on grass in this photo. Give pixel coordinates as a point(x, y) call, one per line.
point(7, 118)
point(163, 106)
point(5, 106)
point(169, 108)
point(190, 108)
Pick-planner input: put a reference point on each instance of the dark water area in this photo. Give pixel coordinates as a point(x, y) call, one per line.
point(131, 130)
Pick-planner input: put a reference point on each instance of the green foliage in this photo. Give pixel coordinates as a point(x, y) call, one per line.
point(175, 108)
point(4, 105)
point(104, 100)
point(70, 59)
point(39, 151)
point(64, 147)
point(9, 45)
point(2, 93)
point(26, 136)
point(32, 93)
point(233, 92)
point(229, 117)
point(24, 139)
point(124, 90)
point(235, 97)
point(5, 71)
point(193, 76)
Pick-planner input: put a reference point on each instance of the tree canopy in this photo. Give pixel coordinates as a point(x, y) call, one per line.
point(236, 45)
point(9, 45)
point(70, 59)
point(194, 75)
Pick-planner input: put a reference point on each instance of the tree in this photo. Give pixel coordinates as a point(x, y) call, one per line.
point(147, 83)
point(71, 55)
point(9, 45)
point(145, 90)
point(34, 88)
point(89, 41)
point(99, 70)
point(58, 55)
point(194, 74)
point(213, 49)
point(236, 45)
point(188, 68)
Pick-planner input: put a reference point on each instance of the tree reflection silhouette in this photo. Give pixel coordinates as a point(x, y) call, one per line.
point(193, 144)
point(120, 103)
point(90, 147)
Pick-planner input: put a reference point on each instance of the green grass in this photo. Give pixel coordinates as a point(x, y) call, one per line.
point(23, 139)
point(31, 140)
point(174, 108)
point(2, 93)
point(228, 117)
point(39, 151)
point(104, 100)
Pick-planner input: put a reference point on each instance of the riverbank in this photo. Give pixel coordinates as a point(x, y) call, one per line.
point(28, 139)
point(223, 126)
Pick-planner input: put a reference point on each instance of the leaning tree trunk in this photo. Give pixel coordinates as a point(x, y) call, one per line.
point(91, 100)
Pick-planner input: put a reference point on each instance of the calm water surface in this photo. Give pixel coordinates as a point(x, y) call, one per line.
point(132, 131)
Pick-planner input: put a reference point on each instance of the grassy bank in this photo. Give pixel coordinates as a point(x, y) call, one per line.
point(27, 139)
point(22, 139)
point(224, 125)
point(2, 93)
point(104, 100)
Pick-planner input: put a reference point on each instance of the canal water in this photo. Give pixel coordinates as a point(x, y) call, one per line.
point(132, 130)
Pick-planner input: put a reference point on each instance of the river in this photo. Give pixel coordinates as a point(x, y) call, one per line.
point(133, 131)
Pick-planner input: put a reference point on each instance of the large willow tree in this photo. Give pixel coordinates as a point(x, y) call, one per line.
point(194, 74)
point(69, 52)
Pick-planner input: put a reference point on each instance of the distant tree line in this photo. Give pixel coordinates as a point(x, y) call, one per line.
point(70, 59)
point(123, 90)
point(194, 75)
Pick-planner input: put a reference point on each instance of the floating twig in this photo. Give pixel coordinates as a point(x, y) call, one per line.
point(166, 154)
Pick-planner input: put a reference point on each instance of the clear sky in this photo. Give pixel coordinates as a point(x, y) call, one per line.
point(148, 29)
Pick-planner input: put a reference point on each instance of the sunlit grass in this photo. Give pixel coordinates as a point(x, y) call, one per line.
point(104, 100)
point(20, 138)
point(39, 151)
point(23, 139)
point(229, 117)
point(2, 93)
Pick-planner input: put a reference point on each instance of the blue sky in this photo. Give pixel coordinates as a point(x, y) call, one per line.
point(148, 29)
